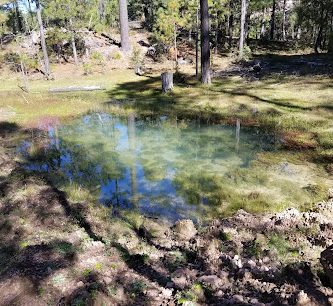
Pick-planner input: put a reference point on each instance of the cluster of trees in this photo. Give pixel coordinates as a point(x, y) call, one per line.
point(223, 23)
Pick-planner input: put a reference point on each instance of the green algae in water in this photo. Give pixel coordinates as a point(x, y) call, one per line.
point(166, 167)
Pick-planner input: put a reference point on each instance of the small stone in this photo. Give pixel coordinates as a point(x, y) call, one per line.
point(210, 280)
point(303, 299)
point(330, 193)
point(80, 284)
point(185, 229)
point(238, 298)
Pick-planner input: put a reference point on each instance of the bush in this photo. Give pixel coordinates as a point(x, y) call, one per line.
point(136, 57)
point(97, 58)
point(116, 56)
point(14, 60)
point(87, 68)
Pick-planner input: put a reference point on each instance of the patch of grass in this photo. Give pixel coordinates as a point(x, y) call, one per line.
point(65, 248)
point(138, 287)
point(190, 296)
point(59, 279)
point(281, 245)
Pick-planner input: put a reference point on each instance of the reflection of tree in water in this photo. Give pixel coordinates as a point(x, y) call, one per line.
point(155, 164)
point(87, 153)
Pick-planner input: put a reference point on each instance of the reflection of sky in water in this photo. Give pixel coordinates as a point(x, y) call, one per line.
point(135, 164)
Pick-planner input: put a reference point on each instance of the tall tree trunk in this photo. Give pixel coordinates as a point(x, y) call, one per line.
point(242, 31)
point(284, 21)
point(231, 25)
point(101, 10)
point(205, 45)
point(124, 27)
point(330, 38)
point(42, 39)
point(319, 38)
point(197, 43)
point(175, 43)
point(76, 61)
point(263, 24)
point(216, 36)
point(273, 20)
point(74, 49)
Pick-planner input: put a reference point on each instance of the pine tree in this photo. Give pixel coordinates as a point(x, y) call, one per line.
point(205, 43)
point(124, 27)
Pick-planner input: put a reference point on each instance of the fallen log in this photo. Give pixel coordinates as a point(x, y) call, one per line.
point(76, 88)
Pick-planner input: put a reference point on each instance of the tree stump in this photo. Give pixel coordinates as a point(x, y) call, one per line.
point(167, 81)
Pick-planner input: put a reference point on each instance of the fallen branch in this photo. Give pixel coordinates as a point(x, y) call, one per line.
point(76, 88)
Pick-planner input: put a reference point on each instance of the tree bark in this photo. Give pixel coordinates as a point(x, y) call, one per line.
point(42, 39)
point(284, 34)
point(76, 61)
point(242, 31)
point(124, 27)
point(167, 81)
point(273, 20)
point(74, 49)
point(205, 45)
point(263, 24)
point(197, 43)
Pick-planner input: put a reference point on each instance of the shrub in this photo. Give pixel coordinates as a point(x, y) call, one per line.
point(97, 58)
point(87, 68)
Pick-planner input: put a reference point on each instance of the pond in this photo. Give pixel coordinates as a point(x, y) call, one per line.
point(164, 167)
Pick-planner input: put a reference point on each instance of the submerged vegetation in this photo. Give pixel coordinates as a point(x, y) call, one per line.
point(217, 192)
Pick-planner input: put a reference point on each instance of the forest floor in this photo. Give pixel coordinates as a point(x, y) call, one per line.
point(72, 254)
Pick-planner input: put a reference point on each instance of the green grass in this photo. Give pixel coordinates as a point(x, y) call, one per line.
point(299, 108)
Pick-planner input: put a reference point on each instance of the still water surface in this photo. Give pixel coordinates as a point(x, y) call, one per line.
point(158, 166)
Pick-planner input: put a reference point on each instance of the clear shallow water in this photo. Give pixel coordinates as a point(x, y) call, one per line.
point(160, 167)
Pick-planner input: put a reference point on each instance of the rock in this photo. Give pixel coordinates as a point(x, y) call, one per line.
point(303, 299)
point(237, 262)
point(181, 61)
point(330, 193)
point(185, 230)
point(211, 281)
point(326, 259)
point(184, 278)
point(152, 229)
point(288, 217)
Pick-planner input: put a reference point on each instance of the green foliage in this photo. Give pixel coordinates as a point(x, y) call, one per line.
point(97, 58)
point(136, 57)
point(14, 60)
point(138, 287)
point(87, 68)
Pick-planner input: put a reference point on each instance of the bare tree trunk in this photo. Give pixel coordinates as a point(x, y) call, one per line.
point(197, 43)
point(216, 36)
point(273, 20)
point(284, 34)
point(101, 10)
point(231, 25)
point(74, 49)
point(175, 44)
point(263, 24)
point(167, 81)
point(205, 45)
point(299, 33)
point(330, 39)
point(42, 39)
point(242, 31)
point(124, 27)
point(73, 44)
